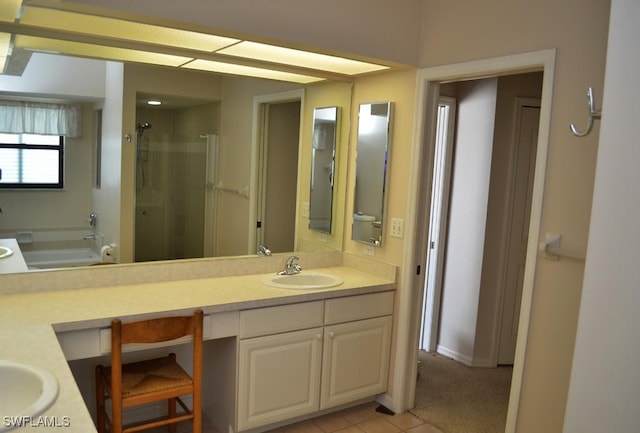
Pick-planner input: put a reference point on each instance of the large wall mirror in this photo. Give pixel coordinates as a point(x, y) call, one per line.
point(325, 125)
point(130, 167)
point(372, 162)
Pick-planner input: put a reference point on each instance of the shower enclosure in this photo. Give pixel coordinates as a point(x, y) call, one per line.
point(175, 162)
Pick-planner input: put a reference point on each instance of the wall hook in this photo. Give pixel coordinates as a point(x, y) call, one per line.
point(593, 114)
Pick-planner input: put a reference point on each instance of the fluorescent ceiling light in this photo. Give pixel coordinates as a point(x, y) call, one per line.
point(5, 42)
point(154, 102)
point(96, 51)
point(121, 29)
point(306, 59)
point(9, 10)
point(230, 68)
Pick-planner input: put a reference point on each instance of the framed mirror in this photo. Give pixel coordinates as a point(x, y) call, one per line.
point(372, 162)
point(325, 125)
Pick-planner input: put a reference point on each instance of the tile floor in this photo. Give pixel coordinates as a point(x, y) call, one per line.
point(359, 419)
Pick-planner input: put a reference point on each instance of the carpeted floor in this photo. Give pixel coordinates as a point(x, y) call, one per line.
point(461, 399)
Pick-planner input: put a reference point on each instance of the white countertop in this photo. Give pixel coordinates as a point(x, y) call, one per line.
point(28, 320)
point(15, 262)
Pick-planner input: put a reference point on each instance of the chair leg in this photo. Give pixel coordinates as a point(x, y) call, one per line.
point(197, 415)
point(100, 409)
point(171, 403)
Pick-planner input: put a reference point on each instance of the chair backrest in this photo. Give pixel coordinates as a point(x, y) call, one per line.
point(154, 331)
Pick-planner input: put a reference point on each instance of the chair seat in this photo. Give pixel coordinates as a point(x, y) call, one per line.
point(149, 376)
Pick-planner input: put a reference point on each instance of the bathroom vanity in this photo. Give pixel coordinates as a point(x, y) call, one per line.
point(271, 355)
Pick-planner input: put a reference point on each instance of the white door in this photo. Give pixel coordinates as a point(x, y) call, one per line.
point(526, 138)
point(438, 220)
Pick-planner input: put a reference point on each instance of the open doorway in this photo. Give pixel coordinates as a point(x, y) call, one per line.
point(484, 161)
point(275, 166)
point(429, 82)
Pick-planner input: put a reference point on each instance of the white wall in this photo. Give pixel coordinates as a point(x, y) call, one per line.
point(65, 80)
point(65, 77)
point(468, 214)
point(603, 393)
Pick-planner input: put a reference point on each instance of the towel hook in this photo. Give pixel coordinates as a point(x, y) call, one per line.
point(593, 114)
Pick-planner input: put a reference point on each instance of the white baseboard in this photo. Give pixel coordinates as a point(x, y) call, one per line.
point(457, 356)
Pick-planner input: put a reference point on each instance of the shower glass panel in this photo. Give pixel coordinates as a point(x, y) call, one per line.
point(172, 170)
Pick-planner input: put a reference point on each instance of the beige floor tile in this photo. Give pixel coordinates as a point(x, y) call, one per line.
point(378, 425)
point(303, 427)
point(405, 420)
point(351, 429)
point(424, 428)
point(332, 422)
point(358, 414)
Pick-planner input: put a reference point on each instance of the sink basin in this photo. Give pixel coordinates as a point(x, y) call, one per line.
point(5, 252)
point(26, 391)
point(302, 281)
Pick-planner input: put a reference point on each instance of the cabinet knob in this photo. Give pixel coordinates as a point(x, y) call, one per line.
point(331, 334)
point(318, 336)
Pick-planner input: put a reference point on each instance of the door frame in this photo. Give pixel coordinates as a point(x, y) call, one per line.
point(258, 149)
point(412, 285)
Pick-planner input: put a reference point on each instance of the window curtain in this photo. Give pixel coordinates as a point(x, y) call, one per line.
point(18, 117)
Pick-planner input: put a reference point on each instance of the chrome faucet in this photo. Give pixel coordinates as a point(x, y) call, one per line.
point(291, 267)
point(91, 237)
point(93, 219)
point(263, 251)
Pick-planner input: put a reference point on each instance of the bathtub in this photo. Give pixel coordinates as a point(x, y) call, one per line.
point(62, 258)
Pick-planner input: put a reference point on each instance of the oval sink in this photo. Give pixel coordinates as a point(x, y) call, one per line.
point(5, 252)
point(26, 391)
point(302, 281)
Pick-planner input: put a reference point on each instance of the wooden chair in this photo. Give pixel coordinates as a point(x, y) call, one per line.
point(152, 380)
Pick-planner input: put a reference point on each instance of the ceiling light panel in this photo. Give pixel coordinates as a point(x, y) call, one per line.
point(9, 9)
point(96, 51)
point(249, 71)
point(5, 42)
point(121, 29)
point(306, 59)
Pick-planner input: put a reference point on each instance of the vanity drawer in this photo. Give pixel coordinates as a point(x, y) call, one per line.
point(282, 318)
point(358, 307)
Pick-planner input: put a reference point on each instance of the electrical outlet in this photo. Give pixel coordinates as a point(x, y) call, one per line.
point(305, 209)
point(369, 250)
point(397, 227)
point(322, 238)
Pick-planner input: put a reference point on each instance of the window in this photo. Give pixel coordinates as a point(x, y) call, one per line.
point(30, 161)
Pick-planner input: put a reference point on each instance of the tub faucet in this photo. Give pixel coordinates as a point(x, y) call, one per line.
point(93, 219)
point(91, 237)
point(291, 267)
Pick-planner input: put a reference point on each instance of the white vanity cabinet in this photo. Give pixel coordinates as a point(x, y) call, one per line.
point(297, 359)
point(279, 365)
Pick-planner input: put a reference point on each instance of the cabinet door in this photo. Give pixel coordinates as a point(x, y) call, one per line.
point(278, 377)
point(355, 360)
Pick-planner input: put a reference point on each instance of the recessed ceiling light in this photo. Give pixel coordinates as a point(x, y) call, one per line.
point(154, 102)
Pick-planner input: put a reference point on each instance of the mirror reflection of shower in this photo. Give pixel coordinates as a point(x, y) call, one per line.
point(142, 154)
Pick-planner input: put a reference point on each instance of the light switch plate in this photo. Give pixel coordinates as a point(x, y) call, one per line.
point(305, 209)
point(369, 250)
